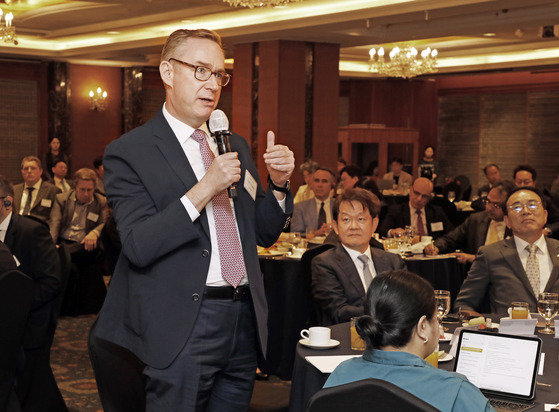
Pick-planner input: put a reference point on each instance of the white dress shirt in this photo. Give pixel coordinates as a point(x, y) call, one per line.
point(326, 208)
point(354, 255)
point(4, 226)
point(25, 195)
point(544, 260)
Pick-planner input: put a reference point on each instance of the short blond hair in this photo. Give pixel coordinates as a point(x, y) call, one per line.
point(85, 174)
point(32, 159)
point(178, 37)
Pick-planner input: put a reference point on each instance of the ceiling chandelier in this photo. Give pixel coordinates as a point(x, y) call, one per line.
point(7, 30)
point(259, 3)
point(403, 62)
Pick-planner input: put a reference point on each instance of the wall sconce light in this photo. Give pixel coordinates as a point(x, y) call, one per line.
point(98, 101)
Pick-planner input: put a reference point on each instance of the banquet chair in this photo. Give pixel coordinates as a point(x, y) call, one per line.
point(367, 395)
point(118, 373)
point(465, 187)
point(16, 297)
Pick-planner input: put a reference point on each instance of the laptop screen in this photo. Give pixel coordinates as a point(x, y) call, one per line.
point(498, 364)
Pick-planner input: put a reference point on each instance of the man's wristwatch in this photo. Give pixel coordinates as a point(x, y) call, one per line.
point(284, 189)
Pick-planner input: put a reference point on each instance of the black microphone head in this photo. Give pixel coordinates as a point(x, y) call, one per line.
point(218, 121)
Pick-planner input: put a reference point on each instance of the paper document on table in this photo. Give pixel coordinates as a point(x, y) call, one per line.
point(518, 326)
point(327, 364)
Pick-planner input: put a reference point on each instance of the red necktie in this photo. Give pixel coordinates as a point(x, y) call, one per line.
point(420, 228)
point(230, 251)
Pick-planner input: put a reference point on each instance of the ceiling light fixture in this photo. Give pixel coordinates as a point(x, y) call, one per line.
point(259, 3)
point(403, 62)
point(7, 29)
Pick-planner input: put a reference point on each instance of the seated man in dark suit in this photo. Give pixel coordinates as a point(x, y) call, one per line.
point(34, 197)
point(481, 228)
point(77, 220)
point(35, 255)
point(516, 269)
point(427, 219)
point(493, 175)
point(341, 276)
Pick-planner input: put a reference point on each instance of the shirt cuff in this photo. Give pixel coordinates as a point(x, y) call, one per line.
point(282, 203)
point(190, 209)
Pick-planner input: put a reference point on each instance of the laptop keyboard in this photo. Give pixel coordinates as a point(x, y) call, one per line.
point(510, 406)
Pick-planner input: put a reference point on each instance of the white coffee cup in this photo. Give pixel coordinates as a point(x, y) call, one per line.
point(317, 335)
point(426, 239)
point(298, 252)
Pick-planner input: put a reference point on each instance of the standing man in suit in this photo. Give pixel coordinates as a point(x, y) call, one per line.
point(481, 228)
point(187, 295)
point(341, 276)
point(77, 219)
point(427, 219)
point(35, 254)
point(316, 213)
point(516, 269)
point(34, 196)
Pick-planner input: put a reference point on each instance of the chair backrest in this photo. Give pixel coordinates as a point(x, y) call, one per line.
point(16, 297)
point(448, 208)
point(367, 395)
point(315, 317)
point(465, 186)
point(118, 373)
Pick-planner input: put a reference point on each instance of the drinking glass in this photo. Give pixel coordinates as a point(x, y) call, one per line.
point(409, 234)
point(548, 304)
point(442, 298)
point(309, 233)
point(295, 238)
point(451, 195)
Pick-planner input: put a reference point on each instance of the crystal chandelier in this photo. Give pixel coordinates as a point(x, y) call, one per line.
point(403, 62)
point(259, 3)
point(7, 30)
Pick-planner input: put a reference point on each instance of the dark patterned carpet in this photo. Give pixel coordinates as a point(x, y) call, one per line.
point(74, 375)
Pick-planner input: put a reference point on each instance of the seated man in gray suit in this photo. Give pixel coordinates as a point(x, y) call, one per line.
point(481, 228)
point(341, 276)
point(77, 219)
point(316, 213)
point(34, 197)
point(516, 269)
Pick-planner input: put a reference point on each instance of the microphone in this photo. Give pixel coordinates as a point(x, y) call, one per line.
point(219, 128)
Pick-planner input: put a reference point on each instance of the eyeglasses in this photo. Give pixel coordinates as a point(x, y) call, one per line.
point(532, 206)
point(203, 73)
point(496, 205)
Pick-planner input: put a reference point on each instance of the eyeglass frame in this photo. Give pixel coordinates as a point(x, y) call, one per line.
point(223, 75)
point(532, 206)
point(495, 205)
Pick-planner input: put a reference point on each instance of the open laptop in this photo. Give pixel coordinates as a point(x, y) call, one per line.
point(503, 367)
point(384, 184)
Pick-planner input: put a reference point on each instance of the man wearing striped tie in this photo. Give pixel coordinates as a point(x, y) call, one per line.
point(516, 269)
point(481, 228)
point(341, 276)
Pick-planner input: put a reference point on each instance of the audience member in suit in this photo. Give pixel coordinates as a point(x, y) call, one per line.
point(7, 261)
point(493, 175)
point(305, 191)
point(525, 175)
point(433, 222)
point(40, 203)
point(77, 220)
point(30, 243)
point(60, 169)
point(481, 228)
point(341, 276)
point(308, 214)
point(400, 329)
point(50, 158)
point(98, 166)
point(502, 269)
point(172, 301)
point(397, 173)
point(350, 177)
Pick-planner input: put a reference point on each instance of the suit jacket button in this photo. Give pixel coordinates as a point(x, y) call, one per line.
point(205, 253)
point(196, 297)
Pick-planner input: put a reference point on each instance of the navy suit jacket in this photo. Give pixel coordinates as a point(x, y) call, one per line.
point(159, 279)
point(337, 287)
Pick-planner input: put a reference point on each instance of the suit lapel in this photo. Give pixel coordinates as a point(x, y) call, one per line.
point(43, 190)
point(348, 267)
point(380, 260)
point(11, 232)
point(482, 229)
point(510, 254)
point(553, 250)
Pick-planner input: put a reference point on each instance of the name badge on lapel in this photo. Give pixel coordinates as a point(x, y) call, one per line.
point(94, 217)
point(437, 226)
point(250, 185)
point(46, 203)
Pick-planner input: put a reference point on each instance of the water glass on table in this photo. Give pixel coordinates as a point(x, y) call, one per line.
point(356, 342)
point(442, 299)
point(548, 305)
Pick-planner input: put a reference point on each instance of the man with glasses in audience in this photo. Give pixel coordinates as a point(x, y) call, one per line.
point(516, 269)
point(525, 175)
point(34, 197)
point(427, 219)
point(481, 228)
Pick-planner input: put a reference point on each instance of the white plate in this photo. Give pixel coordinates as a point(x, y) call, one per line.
point(271, 253)
point(447, 337)
point(447, 357)
point(333, 343)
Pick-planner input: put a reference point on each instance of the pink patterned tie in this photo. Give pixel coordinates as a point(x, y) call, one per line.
point(230, 251)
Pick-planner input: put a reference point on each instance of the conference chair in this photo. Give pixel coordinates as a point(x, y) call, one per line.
point(365, 396)
point(118, 373)
point(16, 297)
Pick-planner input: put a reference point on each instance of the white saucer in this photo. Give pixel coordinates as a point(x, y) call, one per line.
point(333, 343)
point(447, 357)
point(447, 337)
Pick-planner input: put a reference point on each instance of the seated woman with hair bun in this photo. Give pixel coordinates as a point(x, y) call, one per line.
point(401, 329)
